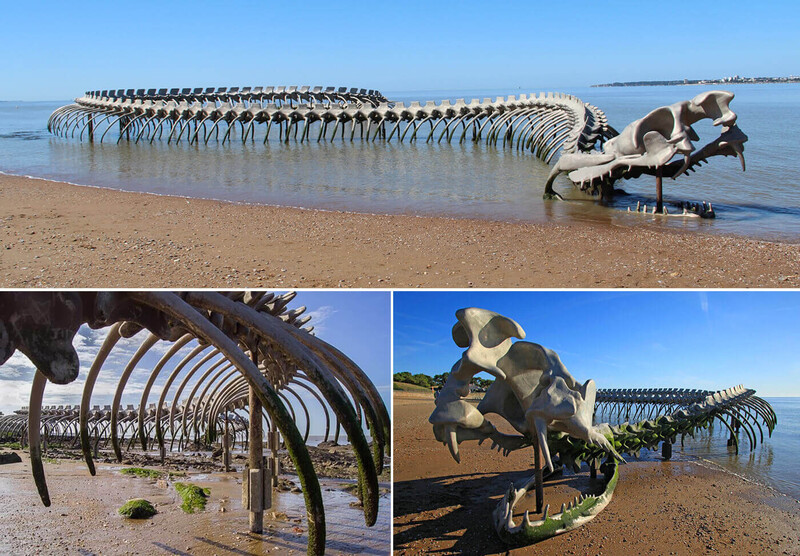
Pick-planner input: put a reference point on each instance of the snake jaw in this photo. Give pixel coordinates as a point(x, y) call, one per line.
point(579, 511)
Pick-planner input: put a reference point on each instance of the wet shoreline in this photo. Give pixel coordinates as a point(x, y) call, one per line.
point(83, 514)
point(60, 235)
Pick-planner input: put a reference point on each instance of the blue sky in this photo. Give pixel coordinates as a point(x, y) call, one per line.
point(357, 323)
point(708, 340)
point(55, 50)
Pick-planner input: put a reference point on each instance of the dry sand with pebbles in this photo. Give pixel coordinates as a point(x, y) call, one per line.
point(658, 507)
point(59, 235)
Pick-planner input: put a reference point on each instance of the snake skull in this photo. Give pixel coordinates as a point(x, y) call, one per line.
point(533, 390)
point(649, 144)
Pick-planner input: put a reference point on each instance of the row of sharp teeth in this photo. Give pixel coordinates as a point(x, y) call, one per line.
point(643, 209)
point(698, 208)
point(688, 208)
point(564, 507)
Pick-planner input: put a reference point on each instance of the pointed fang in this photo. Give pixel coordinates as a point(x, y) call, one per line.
point(738, 150)
point(452, 443)
point(686, 163)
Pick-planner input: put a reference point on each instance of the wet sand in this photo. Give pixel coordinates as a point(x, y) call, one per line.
point(59, 235)
point(83, 516)
point(675, 507)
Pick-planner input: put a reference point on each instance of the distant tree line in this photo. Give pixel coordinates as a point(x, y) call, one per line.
point(436, 381)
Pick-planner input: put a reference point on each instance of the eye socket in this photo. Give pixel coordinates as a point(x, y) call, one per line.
point(460, 336)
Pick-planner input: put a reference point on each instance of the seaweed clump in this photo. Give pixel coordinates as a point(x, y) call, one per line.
point(141, 472)
point(138, 508)
point(194, 497)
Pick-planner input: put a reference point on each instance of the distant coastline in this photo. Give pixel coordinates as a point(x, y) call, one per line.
point(722, 81)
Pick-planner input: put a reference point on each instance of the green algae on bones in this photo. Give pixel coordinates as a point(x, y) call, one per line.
point(194, 497)
point(138, 508)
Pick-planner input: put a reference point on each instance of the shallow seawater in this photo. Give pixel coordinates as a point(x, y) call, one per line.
point(773, 462)
point(457, 180)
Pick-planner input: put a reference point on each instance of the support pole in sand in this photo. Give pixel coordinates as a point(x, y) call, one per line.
point(593, 469)
point(666, 450)
point(91, 128)
point(274, 445)
point(255, 460)
point(226, 446)
point(659, 195)
point(735, 425)
point(269, 464)
point(537, 465)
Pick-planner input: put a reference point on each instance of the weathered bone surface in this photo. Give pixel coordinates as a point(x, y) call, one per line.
point(555, 415)
point(547, 124)
point(245, 341)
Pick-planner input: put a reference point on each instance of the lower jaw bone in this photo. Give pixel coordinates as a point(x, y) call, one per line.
point(578, 512)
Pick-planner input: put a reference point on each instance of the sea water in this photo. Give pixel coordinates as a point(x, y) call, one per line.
point(773, 462)
point(456, 180)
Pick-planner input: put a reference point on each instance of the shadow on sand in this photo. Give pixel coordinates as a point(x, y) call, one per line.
point(456, 511)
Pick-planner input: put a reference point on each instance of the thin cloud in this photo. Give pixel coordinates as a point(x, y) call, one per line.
point(319, 316)
point(17, 367)
point(703, 302)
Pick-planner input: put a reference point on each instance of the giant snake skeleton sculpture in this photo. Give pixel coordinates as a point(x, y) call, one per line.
point(239, 344)
point(555, 415)
point(60, 425)
point(553, 125)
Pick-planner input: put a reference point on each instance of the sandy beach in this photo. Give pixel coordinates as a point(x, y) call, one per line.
point(674, 507)
point(59, 235)
point(83, 516)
